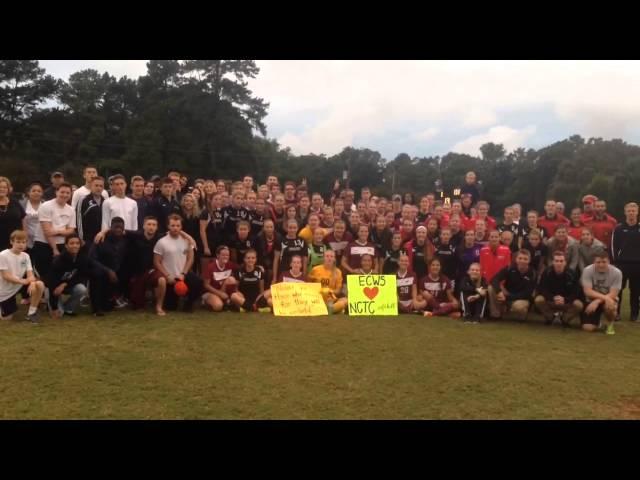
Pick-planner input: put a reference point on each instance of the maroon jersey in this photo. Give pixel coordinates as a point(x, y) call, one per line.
point(218, 274)
point(405, 284)
point(355, 251)
point(438, 288)
point(289, 277)
point(338, 246)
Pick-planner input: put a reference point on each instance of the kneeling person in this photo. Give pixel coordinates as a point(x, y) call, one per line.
point(558, 292)
point(473, 294)
point(602, 283)
point(512, 287)
point(16, 272)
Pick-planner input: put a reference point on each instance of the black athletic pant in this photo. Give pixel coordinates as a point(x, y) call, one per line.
point(42, 258)
point(631, 274)
point(104, 291)
point(194, 284)
point(475, 309)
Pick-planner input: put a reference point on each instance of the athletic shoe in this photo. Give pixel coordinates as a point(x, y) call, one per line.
point(98, 313)
point(467, 320)
point(33, 318)
point(264, 310)
point(70, 314)
point(85, 302)
point(242, 310)
point(611, 330)
point(121, 303)
point(475, 321)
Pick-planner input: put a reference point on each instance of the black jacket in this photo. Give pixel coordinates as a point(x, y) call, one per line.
point(519, 286)
point(625, 244)
point(567, 284)
point(162, 208)
point(111, 252)
point(140, 252)
point(66, 269)
point(91, 218)
point(467, 287)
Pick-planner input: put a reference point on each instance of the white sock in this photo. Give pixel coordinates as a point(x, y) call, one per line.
point(32, 310)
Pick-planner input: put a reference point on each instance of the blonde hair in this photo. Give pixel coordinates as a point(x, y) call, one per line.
point(17, 234)
point(8, 182)
point(196, 207)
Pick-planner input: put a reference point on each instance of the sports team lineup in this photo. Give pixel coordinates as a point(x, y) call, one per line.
point(166, 243)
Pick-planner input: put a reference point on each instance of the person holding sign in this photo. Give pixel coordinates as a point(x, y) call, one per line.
point(330, 279)
point(293, 275)
point(407, 286)
point(436, 290)
point(291, 245)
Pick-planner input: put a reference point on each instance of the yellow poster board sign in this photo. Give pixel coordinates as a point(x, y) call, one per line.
point(296, 299)
point(372, 295)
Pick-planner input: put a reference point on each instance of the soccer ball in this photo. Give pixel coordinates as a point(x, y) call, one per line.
point(181, 288)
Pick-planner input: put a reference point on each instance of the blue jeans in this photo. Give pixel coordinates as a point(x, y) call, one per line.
point(73, 302)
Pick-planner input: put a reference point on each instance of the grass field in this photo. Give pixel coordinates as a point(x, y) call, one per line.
point(255, 366)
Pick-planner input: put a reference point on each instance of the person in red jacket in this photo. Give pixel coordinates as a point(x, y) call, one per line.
point(601, 223)
point(588, 202)
point(494, 257)
point(482, 213)
point(575, 226)
point(551, 218)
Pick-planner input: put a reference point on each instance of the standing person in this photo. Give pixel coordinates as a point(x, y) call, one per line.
point(587, 248)
point(69, 273)
point(407, 287)
point(558, 292)
point(481, 232)
point(468, 253)
point(436, 290)
point(250, 294)
point(210, 229)
point(351, 260)
point(219, 281)
point(420, 251)
point(424, 210)
point(390, 263)
point(538, 252)
point(532, 223)
point(88, 173)
point(330, 278)
point(16, 273)
point(457, 234)
point(143, 275)
point(316, 249)
point(34, 200)
point(119, 205)
point(173, 257)
point(494, 257)
point(308, 231)
point(58, 221)
point(291, 245)
point(602, 284)
point(339, 212)
point(625, 255)
point(150, 193)
point(258, 217)
point(575, 224)
point(449, 260)
point(552, 219)
point(190, 213)
point(511, 288)
point(601, 223)
point(290, 193)
point(12, 214)
point(509, 224)
point(90, 220)
point(381, 237)
point(470, 187)
point(466, 205)
point(473, 294)
point(588, 202)
point(57, 178)
point(483, 214)
point(241, 242)
point(517, 213)
point(278, 212)
point(338, 240)
point(165, 205)
point(267, 243)
point(563, 242)
point(138, 196)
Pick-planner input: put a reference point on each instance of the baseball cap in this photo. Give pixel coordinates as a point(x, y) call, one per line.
point(57, 174)
point(396, 197)
point(589, 199)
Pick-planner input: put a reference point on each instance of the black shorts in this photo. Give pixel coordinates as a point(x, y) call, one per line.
point(8, 307)
point(594, 318)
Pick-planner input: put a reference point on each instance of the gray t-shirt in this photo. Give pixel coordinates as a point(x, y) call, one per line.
point(602, 282)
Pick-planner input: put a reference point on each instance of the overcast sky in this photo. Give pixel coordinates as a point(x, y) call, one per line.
point(431, 107)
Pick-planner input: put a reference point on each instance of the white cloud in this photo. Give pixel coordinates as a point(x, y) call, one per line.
point(425, 135)
point(479, 117)
point(511, 138)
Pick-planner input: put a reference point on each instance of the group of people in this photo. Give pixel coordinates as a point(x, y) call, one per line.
point(119, 243)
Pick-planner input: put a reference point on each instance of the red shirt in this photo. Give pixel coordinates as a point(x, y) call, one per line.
point(470, 223)
point(438, 288)
point(217, 274)
point(550, 224)
point(602, 229)
point(491, 263)
point(405, 286)
point(575, 232)
point(355, 251)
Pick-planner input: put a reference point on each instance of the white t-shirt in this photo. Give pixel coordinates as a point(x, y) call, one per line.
point(18, 265)
point(79, 195)
point(125, 208)
point(34, 229)
point(60, 217)
point(174, 253)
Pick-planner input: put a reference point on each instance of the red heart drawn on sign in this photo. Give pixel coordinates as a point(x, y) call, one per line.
point(370, 292)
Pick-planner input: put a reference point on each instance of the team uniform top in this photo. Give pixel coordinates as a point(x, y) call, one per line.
point(290, 247)
point(219, 273)
point(355, 251)
point(338, 246)
point(448, 259)
point(241, 247)
point(469, 256)
point(330, 281)
point(230, 218)
point(214, 226)
point(404, 286)
point(288, 276)
point(391, 257)
point(438, 288)
point(249, 283)
point(257, 222)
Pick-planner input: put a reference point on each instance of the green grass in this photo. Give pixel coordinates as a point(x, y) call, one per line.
point(233, 366)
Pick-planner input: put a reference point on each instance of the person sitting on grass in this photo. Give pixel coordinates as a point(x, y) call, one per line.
point(407, 287)
point(367, 265)
point(330, 278)
point(473, 294)
point(250, 295)
point(601, 283)
point(294, 274)
point(69, 274)
point(16, 272)
point(558, 292)
point(219, 282)
point(512, 287)
point(437, 292)
point(316, 249)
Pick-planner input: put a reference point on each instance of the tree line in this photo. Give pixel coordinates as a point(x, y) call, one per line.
point(199, 117)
